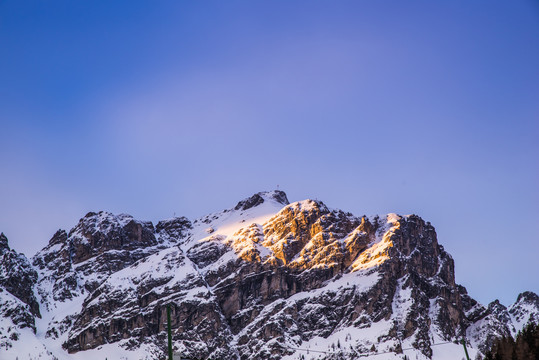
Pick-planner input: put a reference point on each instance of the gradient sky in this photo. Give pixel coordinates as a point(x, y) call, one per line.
point(186, 107)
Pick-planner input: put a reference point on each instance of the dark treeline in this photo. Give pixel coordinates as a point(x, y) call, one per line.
point(525, 347)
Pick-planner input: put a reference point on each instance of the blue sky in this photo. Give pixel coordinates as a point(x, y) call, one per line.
point(180, 107)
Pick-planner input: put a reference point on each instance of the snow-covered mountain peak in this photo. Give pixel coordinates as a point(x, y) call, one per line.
point(524, 310)
point(173, 230)
point(497, 308)
point(393, 218)
point(95, 225)
point(3, 242)
point(309, 205)
point(261, 280)
point(256, 209)
point(104, 220)
point(277, 196)
point(17, 299)
point(99, 232)
point(527, 297)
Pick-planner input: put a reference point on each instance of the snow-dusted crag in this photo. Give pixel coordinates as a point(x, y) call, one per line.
point(18, 305)
point(263, 280)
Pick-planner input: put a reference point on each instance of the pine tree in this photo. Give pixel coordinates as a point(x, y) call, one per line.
point(525, 347)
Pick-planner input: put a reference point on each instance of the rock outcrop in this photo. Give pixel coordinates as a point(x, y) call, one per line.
point(18, 278)
point(263, 280)
point(19, 307)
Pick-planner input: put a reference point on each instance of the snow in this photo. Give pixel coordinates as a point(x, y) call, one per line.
point(393, 218)
point(450, 351)
point(306, 205)
point(521, 314)
point(28, 346)
point(227, 227)
point(346, 337)
point(359, 342)
point(169, 264)
point(402, 303)
point(229, 222)
point(105, 221)
point(242, 231)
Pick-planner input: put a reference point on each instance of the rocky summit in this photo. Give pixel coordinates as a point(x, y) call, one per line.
point(265, 279)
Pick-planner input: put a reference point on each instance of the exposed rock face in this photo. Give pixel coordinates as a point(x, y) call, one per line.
point(18, 278)
point(525, 310)
point(486, 324)
point(257, 281)
point(19, 307)
point(259, 198)
point(98, 233)
point(138, 311)
point(499, 311)
point(310, 223)
point(427, 270)
point(3, 242)
point(409, 265)
point(173, 230)
point(72, 266)
point(100, 244)
point(252, 278)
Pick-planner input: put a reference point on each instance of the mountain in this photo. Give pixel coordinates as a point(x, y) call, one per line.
point(18, 305)
point(265, 279)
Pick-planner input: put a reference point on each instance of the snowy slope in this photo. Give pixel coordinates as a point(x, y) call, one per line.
point(262, 280)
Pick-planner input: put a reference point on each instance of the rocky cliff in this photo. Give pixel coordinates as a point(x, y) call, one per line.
point(263, 280)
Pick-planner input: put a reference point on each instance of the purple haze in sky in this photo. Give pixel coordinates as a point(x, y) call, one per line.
point(163, 108)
